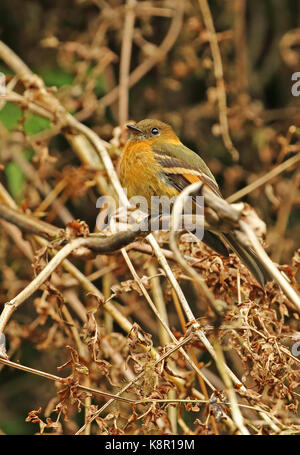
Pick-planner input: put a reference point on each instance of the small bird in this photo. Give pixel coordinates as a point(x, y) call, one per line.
point(156, 163)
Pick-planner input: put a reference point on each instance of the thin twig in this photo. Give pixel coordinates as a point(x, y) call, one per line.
point(178, 345)
point(63, 381)
point(218, 69)
point(264, 179)
point(139, 72)
point(236, 413)
point(278, 277)
point(163, 323)
point(34, 285)
point(128, 30)
point(216, 306)
point(283, 216)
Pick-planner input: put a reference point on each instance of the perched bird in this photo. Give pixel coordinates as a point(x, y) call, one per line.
point(156, 163)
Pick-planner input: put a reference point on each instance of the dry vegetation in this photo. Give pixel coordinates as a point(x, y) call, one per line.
point(117, 334)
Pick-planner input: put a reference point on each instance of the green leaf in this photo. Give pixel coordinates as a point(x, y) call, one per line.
point(10, 116)
point(6, 70)
point(35, 124)
point(55, 77)
point(100, 88)
point(29, 154)
point(15, 180)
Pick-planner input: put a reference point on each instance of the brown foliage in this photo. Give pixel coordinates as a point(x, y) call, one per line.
point(123, 371)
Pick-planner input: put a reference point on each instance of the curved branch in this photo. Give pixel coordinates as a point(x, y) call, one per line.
point(149, 63)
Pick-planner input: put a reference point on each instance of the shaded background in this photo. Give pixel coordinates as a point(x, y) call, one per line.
point(75, 46)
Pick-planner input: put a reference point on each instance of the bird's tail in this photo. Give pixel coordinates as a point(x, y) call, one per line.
point(250, 259)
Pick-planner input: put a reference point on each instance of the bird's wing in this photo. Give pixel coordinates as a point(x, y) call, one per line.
point(181, 166)
point(180, 173)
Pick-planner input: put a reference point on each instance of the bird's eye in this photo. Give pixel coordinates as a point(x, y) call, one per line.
point(155, 131)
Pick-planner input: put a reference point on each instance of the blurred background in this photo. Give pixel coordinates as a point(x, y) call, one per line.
point(75, 46)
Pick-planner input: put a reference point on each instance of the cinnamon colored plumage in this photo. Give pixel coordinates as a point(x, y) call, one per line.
point(156, 163)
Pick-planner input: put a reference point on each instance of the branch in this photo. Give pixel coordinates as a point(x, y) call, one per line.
point(125, 60)
point(158, 56)
point(64, 381)
point(218, 68)
point(264, 179)
point(217, 306)
point(278, 277)
point(29, 223)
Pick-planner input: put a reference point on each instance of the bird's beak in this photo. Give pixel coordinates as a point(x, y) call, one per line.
point(134, 128)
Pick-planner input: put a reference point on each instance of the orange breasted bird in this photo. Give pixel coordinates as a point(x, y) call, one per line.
point(156, 163)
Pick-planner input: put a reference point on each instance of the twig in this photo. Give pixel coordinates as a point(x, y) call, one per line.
point(188, 311)
point(278, 277)
point(160, 303)
point(240, 44)
point(264, 179)
point(104, 155)
point(162, 321)
point(44, 188)
point(148, 64)
point(236, 413)
point(163, 335)
point(176, 216)
point(63, 381)
point(30, 223)
point(34, 285)
point(218, 69)
point(283, 216)
point(125, 60)
point(76, 273)
point(178, 345)
point(13, 61)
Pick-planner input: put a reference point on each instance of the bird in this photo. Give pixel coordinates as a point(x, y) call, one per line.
point(155, 162)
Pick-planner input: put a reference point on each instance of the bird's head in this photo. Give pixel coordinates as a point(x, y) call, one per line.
point(152, 130)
